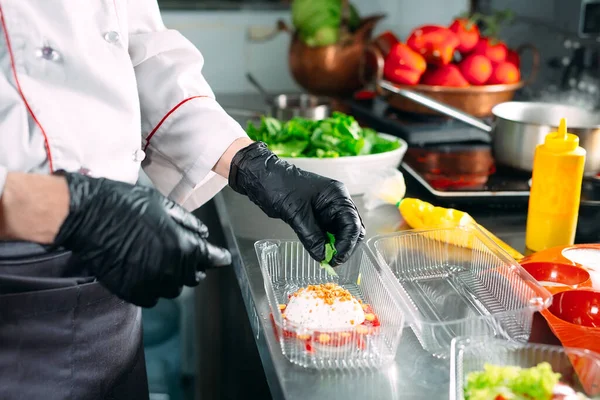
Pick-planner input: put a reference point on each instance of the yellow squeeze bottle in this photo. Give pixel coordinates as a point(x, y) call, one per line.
point(555, 192)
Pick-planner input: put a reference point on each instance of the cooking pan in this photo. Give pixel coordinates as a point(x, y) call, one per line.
point(518, 127)
point(287, 106)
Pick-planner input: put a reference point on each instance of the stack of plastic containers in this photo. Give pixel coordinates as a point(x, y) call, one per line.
point(459, 292)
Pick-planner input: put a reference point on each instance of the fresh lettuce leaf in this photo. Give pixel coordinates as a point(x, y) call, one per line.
point(293, 148)
point(330, 252)
point(337, 136)
point(511, 383)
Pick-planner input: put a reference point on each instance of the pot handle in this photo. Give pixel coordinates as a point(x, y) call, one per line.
point(535, 65)
point(381, 86)
point(371, 49)
point(436, 106)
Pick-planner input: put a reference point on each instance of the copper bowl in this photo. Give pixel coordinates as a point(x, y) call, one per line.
point(331, 70)
point(474, 100)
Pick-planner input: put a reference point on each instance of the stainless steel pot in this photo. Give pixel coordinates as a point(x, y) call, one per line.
point(519, 127)
point(287, 106)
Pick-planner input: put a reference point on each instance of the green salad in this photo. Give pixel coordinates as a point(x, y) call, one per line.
point(514, 383)
point(337, 136)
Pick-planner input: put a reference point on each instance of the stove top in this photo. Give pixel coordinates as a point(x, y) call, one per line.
point(453, 163)
point(416, 129)
point(448, 158)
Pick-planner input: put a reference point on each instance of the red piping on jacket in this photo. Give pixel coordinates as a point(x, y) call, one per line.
point(14, 71)
point(167, 115)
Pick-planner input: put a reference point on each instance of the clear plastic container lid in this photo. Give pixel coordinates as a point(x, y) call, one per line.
point(579, 369)
point(287, 267)
point(458, 282)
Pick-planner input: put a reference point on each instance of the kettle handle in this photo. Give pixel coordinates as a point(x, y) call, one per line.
point(535, 65)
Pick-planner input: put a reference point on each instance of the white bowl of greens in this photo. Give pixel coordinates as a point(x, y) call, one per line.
point(336, 147)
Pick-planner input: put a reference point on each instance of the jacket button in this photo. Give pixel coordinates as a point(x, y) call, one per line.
point(112, 37)
point(48, 53)
point(139, 155)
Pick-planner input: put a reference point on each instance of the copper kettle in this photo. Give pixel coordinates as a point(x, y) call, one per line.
point(333, 70)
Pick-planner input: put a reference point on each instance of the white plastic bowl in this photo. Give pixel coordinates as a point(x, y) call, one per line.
point(357, 172)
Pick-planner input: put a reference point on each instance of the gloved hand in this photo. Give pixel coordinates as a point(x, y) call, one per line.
point(311, 204)
point(137, 243)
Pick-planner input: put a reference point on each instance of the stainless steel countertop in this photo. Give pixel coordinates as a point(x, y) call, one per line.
point(414, 375)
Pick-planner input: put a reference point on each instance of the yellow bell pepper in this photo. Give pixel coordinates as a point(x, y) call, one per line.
point(419, 214)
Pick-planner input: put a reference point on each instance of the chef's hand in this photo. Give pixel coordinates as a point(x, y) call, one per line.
point(138, 244)
point(311, 204)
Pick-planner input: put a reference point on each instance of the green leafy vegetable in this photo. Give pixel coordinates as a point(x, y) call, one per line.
point(318, 21)
point(511, 383)
point(494, 23)
point(337, 136)
point(330, 252)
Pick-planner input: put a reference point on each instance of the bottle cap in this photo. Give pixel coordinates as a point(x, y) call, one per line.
point(561, 141)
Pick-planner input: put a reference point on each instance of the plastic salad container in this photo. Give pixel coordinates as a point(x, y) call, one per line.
point(579, 368)
point(458, 282)
point(287, 267)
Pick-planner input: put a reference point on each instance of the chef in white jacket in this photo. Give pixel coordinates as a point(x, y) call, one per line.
point(89, 91)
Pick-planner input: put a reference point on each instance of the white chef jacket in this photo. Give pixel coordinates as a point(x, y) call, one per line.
point(100, 86)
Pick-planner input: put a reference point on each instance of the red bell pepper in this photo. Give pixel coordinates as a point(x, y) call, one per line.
point(403, 65)
point(467, 32)
point(435, 43)
point(447, 75)
point(513, 58)
point(386, 42)
point(476, 69)
point(504, 73)
point(493, 49)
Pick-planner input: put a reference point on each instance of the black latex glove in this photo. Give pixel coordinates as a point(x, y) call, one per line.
point(137, 243)
point(311, 204)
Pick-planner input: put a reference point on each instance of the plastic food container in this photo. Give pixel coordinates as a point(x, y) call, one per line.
point(579, 368)
point(458, 282)
point(287, 267)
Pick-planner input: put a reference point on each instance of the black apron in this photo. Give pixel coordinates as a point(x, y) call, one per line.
point(62, 334)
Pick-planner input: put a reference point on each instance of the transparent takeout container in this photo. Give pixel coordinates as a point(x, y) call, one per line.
point(458, 282)
point(579, 368)
point(287, 267)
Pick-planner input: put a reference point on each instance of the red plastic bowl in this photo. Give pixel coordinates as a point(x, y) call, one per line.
point(578, 307)
point(558, 277)
point(574, 317)
point(557, 255)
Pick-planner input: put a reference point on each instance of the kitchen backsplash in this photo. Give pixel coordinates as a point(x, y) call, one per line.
point(223, 38)
point(534, 25)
